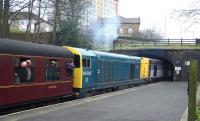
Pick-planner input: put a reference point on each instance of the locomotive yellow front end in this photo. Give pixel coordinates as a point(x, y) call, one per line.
point(144, 68)
point(77, 68)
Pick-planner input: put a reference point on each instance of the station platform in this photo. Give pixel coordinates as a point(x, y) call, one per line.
point(162, 101)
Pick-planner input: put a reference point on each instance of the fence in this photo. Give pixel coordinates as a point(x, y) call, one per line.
point(120, 43)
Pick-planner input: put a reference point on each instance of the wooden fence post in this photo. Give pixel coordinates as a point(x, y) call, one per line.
point(181, 41)
point(114, 42)
point(192, 90)
point(168, 41)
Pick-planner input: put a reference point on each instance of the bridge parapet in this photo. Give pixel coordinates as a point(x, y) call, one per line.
point(124, 44)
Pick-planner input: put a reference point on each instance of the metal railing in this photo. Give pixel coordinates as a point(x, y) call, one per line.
point(161, 42)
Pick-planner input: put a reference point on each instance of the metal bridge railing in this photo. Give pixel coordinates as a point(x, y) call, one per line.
point(161, 42)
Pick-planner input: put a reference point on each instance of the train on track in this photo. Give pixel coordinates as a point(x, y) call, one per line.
point(31, 72)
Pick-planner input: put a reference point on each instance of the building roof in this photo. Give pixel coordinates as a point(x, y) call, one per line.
point(22, 16)
point(129, 20)
point(122, 20)
point(25, 16)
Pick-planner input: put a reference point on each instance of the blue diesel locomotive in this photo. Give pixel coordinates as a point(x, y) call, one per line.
point(100, 70)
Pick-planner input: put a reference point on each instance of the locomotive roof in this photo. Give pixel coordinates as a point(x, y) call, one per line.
point(155, 60)
point(85, 52)
point(8, 46)
point(136, 57)
point(113, 55)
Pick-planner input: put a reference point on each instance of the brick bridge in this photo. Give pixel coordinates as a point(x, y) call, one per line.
point(173, 59)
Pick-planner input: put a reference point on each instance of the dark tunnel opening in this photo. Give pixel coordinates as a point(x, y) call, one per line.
point(168, 66)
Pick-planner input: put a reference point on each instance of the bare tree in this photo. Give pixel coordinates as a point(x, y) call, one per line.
point(6, 18)
point(190, 15)
point(54, 11)
point(40, 9)
point(37, 23)
point(30, 16)
point(150, 34)
point(65, 11)
point(16, 7)
point(71, 13)
point(6, 11)
point(56, 19)
point(1, 17)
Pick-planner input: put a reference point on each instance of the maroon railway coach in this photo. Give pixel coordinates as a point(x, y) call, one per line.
point(32, 72)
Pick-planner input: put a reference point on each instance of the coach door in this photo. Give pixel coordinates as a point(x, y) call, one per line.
point(150, 72)
point(155, 71)
point(98, 71)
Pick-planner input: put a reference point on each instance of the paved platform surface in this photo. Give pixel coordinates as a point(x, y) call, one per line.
point(163, 101)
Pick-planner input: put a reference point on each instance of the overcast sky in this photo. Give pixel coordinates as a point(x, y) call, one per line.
point(160, 15)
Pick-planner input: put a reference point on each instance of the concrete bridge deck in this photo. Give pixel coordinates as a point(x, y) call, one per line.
point(163, 101)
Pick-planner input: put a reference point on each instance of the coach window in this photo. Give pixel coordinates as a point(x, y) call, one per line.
point(52, 70)
point(69, 68)
point(24, 70)
point(155, 70)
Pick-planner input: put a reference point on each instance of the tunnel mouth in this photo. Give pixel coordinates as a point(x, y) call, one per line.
point(168, 67)
point(168, 70)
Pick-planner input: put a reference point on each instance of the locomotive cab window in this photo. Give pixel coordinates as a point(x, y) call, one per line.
point(76, 61)
point(86, 63)
point(52, 70)
point(23, 70)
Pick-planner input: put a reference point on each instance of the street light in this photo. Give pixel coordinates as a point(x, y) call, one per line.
point(187, 64)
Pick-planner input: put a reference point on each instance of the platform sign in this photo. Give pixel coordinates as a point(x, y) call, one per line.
point(177, 68)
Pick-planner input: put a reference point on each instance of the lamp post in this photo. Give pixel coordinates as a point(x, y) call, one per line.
point(187, 64)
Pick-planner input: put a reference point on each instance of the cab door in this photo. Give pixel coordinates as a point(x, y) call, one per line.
point(98, 80)
point(88, 72)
